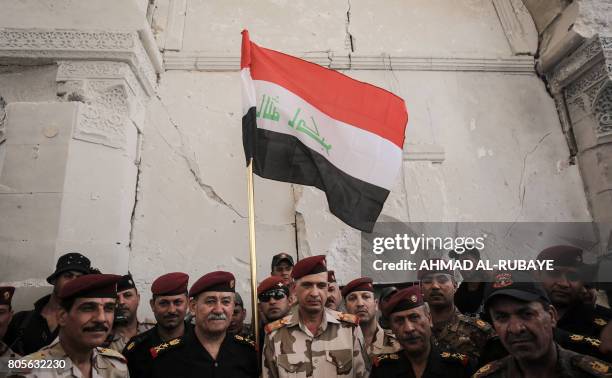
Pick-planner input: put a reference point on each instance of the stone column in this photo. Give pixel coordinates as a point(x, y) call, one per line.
point(69, 164)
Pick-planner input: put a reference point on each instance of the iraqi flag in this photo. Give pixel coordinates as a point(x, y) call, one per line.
point(309, 125)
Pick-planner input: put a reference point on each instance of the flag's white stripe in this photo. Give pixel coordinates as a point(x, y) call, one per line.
point(357, 152)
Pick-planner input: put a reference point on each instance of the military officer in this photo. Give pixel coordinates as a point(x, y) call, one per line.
point(6, 313)
point(410, 321)
point(524, 318)
point(85, 319)
point(31, 330)
point(360, 301)
point(451, 329)
point(334, 297)
point(237, 325)
point(126, 322)
point(207, 350)
point(564, 286)
point(282, 264)
point(273, 303)
point(169, 305)
point(313, 341)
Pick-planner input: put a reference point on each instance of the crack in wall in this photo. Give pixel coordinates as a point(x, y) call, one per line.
point(349, 37)
point(137, 162)
point(522, 189)
point(192, 165)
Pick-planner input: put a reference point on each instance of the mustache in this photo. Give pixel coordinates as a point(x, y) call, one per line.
point(96, 328)
point(523, 337)
point(216, 317)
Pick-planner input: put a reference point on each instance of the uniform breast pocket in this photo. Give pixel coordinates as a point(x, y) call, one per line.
point(342, 359)
point(293, 365)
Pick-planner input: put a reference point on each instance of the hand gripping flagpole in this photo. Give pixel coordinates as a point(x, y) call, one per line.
point(254, 311)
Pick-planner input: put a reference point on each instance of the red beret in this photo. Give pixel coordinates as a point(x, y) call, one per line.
point(6, 295)
point(436, 263)
point(271, 283)
point(331, 276)
point(359, 284)
point(402, 300)
point(214, 281)
point(170, 284)
point(309, 265)
point(91, 286)
point(562, 255)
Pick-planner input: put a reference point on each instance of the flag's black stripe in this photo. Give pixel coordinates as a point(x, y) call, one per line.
point(249, 127)
point(283, 157)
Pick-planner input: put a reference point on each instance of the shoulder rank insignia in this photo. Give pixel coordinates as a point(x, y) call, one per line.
point(348, 318)
point(379, 358)
point(600, 322)
point(457, 357)
point(482, 324)
point(582, 339)
point(111, 353)
point(131, 345)
point(156, 350)
point(276, 324)
point(592, 365)
point(489, 368)
point(244, 340)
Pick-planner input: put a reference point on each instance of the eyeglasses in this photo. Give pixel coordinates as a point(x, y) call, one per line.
point(276, 294)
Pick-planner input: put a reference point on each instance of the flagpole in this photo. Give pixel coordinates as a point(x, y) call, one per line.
point(254, 311)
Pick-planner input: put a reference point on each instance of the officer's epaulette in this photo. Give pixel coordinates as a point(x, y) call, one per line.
point(244, 340)
point(348, 318)
point(488, 369)
point(164, 347)
point(455, 357)
point(111, 353)
point(592, 365)
point(135, 341)
point(600, 322)
point(379, 359)
point(277, 324)
point(580, 339)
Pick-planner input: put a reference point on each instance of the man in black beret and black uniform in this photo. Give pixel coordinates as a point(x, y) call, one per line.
point(207, 350)
point(31, 330)
point(169, 305)
point(410, 321)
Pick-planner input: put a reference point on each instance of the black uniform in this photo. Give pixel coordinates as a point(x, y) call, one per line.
point(439, 364)
point(585, 320)
point(187, 358)
point(138, 353)
point(28, 331)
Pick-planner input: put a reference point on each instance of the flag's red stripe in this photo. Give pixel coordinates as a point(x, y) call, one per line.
point(356, 103)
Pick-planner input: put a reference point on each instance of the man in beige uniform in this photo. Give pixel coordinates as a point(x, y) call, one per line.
point(360, 301)
point(313, 341)
point(85, 319)
point(126, 323)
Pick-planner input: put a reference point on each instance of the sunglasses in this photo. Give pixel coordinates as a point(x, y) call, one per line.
point(276, 294)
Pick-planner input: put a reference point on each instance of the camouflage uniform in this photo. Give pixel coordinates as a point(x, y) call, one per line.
point(569, 365)
point(336, 350)
point(106, 363)
point(384, 342)
point(117, 341)
point(464, 334)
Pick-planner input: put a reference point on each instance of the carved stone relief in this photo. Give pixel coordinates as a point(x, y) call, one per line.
point(112, 97)
point(602, 109)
